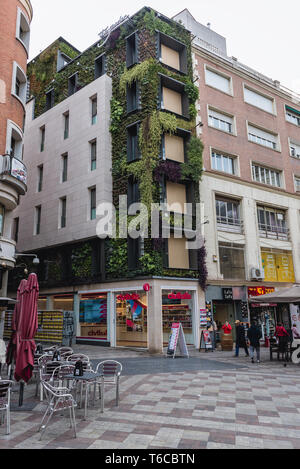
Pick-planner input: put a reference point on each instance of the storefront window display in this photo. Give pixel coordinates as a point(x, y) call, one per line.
point(177, 307)
point(42, 303)
point(131, 319)
point(63, 302)
point(93, 317)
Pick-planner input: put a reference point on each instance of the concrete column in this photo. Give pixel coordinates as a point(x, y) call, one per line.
point(154, 320)
point(49, 303)
point(76, 315)
point(293, 224)
point(252, 248)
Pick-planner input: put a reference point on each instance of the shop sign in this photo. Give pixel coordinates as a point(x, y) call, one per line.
point(179, 296)
point(128, 296)
point(227, 294)
point(259, 291)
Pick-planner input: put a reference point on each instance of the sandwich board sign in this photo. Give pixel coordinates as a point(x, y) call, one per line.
point(205, 341)
point(177, 339)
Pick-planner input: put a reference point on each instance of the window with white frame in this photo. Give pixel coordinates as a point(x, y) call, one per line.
point(19, 83)
point(268, 176)
point(294, 149)
point(220, 121)
point(259, 100)
point(23, 29)
point(218, 81)
point(14, 140)
point(263, 137)
point(297, 183)
point(222, 162)
point(292, 115)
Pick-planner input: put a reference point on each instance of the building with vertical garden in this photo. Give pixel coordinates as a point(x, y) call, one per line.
point(117, 119)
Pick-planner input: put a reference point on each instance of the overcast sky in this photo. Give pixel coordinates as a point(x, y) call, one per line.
point(263, 34)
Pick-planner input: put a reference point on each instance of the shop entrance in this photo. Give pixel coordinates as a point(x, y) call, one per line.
point(131, 320)
point(177, 307)
point(224, 312)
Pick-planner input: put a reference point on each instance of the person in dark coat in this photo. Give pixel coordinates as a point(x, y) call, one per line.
point(240, 339)
point(254, 335)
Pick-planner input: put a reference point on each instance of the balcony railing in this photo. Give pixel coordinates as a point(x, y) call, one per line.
point(274, 232)
point(234, 225)
point(13, 167)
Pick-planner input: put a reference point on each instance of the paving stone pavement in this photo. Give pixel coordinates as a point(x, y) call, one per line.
point(255, 407)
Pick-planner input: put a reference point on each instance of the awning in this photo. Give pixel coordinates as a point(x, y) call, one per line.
point(287, 295)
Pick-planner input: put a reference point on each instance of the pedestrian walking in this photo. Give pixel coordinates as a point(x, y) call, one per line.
point(254, 335)
point(283, 337)
point(212, 328)
point(240, 339)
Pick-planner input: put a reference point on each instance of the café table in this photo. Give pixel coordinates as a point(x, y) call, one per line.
point(88, 377)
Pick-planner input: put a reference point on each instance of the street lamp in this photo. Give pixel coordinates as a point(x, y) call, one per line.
point(35, 261)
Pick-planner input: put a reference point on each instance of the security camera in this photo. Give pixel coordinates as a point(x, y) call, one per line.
point(36, 261)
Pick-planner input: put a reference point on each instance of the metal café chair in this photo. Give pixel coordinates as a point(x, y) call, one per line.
point(46, 371)
point(59, 399)
point(75, 357)
point(59, 375)
point(5, 388)
point(111, 371)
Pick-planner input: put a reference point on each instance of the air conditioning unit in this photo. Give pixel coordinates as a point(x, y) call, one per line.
point(257, 274)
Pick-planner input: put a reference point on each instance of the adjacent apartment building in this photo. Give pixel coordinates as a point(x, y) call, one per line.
point(15, 19)
point(251, 180)
point(115, 120)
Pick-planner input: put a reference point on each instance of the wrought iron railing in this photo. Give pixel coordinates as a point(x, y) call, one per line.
point(14, 167)
point(235, 225)
point(274, 232)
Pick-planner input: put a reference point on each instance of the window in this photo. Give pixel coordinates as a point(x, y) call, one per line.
point(19, 83)
point(172, 52)
point(267, 176)
point(2, 215)
point(133, 192)
point(262, 137)
point(176, 197)
point(100, 66)
point(173, 97)
point(66, 125)
point(259, 100)
point(272, 223)
point(49, 99)
point(294, 149)
point(297, 183)
point(23, 29)
point(73, 84)
point(62, 60)
point(42, 138)
point(278, 266)
point(94, 110)
point(64, 174)
point(133, 152)
point(14, 141)
point(38, 213)
point(63, 212)
point(92, 203)
point(224, 163)
point(132, 97)
point(174, 147)
point(220, 121)
point(292, 115)
point(93, 149)
point(178, 255)
point(232, 261)
point(132, 50)
point(218, 81)
point(134, 252)
point(40, 178)
point(15, 229)
point(228, 214)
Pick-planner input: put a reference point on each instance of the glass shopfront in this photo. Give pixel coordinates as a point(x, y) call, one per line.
point(177, 306)
point(93, 316)
point(63, 302)
point(131, 319)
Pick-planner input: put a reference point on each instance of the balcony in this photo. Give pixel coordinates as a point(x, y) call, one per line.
point(233, 225)
point(274, 232)
point(14, 172)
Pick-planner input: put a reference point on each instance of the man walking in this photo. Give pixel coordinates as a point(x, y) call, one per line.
point(240, 339)
point(254, 335)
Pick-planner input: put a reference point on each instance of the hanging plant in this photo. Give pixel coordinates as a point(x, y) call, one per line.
point(169, 170)
point(192, 169)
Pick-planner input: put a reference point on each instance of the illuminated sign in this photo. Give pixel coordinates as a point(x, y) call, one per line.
point(127, 296)
point(259, 291)
point(179, 296)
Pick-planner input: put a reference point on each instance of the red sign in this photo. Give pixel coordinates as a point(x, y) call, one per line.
point(127, 296)
point(179, 296)
point(146, 287)
point(259, 291)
